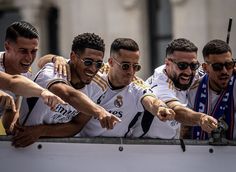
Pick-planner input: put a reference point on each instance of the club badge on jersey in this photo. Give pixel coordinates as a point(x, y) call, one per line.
point(118, 102)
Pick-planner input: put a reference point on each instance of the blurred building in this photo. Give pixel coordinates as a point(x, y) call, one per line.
point(152, 23)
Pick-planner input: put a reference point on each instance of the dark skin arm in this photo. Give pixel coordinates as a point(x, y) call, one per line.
point(27, 135)
point(84, 104)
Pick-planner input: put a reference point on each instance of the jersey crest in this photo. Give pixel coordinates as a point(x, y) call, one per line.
point(118, 102)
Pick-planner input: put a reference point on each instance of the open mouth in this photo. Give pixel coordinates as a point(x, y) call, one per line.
point(25, 65)
point(88, 74)
point(224, 78)
point(185, 79)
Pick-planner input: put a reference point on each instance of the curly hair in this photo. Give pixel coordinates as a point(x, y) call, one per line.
point(21, 29)
point(87, 40)
point(215, 46)
point(123, 43)
point(180, 44)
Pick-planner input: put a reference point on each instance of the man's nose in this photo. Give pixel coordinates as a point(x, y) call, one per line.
point(131, 69)
point(188, 70)
point(29, 56)
point(93, 67)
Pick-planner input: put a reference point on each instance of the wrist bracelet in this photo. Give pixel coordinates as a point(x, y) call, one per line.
point(202, 117)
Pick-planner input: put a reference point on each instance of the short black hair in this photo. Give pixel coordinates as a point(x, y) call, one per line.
point(87, 40)
point(123, 43)
point(215, 46)
point(180, 44)
point(21, 29)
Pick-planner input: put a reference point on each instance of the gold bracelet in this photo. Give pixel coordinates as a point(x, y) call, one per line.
point(202, 116)
point(200, 119)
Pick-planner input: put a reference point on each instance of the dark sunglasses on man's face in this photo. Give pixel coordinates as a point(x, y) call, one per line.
point(220, 66)
point(185, 65)
point(126, 66)
point(90, 62)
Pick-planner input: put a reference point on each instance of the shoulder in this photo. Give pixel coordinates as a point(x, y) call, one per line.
point(104, 69)
point(159, 77)
point(100, 79)
point(195, 83)
point(138, 82)
point(46, 77)
point(159, 71)
point(48, 70)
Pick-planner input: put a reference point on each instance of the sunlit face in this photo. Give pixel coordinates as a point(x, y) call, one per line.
point(219, 68)
point(181, 68)
point(85, 66)
point(20, 54)
point(123, 65)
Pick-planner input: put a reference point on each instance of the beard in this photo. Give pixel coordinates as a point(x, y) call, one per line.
point(219, 84)
point(176, 81)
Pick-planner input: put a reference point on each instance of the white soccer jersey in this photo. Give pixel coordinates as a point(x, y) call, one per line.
point(34, 111)
point(2, 69)
point(165, 90)
point(213, 96)
point(125, 103)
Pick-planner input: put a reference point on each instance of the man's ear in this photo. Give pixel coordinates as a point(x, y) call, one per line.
point(6, 46)
point(110, 61)
point(167, 62)
point(205, 67)
point(73, 56)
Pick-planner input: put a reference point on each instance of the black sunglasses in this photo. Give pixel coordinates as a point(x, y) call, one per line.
point(126, 66)
point(90, 62)
point(185, 65)
point(220, 66)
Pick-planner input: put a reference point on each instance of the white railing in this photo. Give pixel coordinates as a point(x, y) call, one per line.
point(117, 155)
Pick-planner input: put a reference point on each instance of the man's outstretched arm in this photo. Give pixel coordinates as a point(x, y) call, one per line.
point(27, 135)
point(21, 85)
point(189, 117)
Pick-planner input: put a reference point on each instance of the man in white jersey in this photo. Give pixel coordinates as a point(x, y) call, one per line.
point(214, 94)
point(86, 59)
point(21, 45)
point(170, 83)
point(97, 93)
point(121, 93)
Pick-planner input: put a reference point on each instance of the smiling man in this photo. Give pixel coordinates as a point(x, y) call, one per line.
point(214, 93)
point(21, 45)
point(170, 83)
